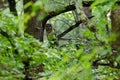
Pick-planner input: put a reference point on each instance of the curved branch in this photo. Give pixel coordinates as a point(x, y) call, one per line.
point(53, 13)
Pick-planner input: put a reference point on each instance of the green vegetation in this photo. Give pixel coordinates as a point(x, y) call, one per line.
point(59, 40)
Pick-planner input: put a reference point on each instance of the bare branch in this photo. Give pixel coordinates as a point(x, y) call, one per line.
point(69, 29)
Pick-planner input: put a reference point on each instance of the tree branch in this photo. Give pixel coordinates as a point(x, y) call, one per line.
point(69, 29)
point(53, 13)
point(93, 29)
point(66, 9)
point(69, 8)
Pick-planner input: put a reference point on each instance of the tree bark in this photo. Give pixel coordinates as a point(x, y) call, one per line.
point(115, 17)
point(34, 27)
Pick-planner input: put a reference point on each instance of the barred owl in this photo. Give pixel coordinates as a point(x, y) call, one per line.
point(51, 35)
point(49, 28)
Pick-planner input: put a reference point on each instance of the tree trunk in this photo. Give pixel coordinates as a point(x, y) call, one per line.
point(115, 17)
point(2, 4)
point(34, 27)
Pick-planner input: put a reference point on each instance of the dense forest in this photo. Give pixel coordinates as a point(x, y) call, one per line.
point(59, 39)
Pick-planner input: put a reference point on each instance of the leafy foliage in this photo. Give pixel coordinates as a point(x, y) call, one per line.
point(74, 59)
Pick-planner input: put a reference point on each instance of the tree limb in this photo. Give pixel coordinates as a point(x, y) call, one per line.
point(53, 13)
point(69, 29)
